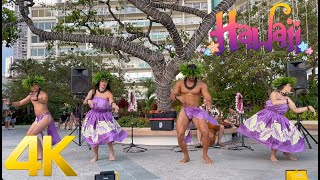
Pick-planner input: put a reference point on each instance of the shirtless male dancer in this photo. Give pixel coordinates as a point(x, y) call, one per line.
point(190, 90)
point(39, 99)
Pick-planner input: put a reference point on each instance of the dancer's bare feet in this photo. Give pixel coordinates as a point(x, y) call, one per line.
point(290, 156)
point(185, 159)
point(273, 158)
point(112, 157)
point(94, 159)
point(40, 157)
point(207, 159)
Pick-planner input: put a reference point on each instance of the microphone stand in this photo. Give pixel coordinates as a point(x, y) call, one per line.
point(78, 127)
point(241, 117)
point(140, 149)
point(300, 127)
point(236, 147)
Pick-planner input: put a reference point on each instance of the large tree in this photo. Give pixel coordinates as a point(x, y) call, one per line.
point(164, 69)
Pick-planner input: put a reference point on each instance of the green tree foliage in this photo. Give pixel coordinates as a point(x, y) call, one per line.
point(9, 33)
point(150, 97)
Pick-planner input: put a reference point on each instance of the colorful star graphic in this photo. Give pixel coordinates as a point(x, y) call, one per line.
point(303, 46)
point(207, 52)
point(309, 51)
point(213, 47)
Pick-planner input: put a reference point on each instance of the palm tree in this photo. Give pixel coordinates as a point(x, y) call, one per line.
point(150, 97)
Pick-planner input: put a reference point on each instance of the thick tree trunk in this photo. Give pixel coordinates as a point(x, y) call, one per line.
point(163, 90)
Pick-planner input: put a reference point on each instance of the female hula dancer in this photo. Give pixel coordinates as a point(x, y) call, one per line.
point(39, 100)
point(270, 127)
point(99, 127)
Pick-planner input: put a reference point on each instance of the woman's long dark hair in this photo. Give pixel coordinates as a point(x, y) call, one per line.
point(96, 87)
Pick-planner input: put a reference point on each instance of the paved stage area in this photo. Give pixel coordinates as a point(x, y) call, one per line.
point(162, 162)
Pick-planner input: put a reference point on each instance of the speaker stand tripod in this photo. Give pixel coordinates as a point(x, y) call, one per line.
point(236, 147)
point(78, 127)
point(300, 127)
point(140, 149)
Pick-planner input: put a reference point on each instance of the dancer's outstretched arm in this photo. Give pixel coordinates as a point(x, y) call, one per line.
point(295, 109)
point(22, 102)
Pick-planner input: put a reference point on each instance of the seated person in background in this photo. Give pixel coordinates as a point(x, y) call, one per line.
point(78, 117)
point(64, 118)
point(72, 120)
point(232, 118)
point(215, 113)
point(154, 109)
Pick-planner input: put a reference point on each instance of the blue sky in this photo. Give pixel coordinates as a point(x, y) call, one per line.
point(6, 52)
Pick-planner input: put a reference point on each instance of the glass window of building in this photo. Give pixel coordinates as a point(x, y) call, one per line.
point(141, 65)
point(41, 26)
point(204, 6)
point(47, 26)
point(40, 52)
point(188, 4)
point(34, 52)
point(196, 5)
point(34, 39)
point(34, 13)
point(48, 13)
point(41, 13)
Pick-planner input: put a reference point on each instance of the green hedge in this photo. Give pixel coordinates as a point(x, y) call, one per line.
point(307, 115)
point(125, 121)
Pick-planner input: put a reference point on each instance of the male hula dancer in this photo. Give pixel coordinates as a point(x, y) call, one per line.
point(39, 100)
point(190, 90)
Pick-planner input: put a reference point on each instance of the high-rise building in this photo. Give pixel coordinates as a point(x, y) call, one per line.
point(20, 47)
point(8, 72)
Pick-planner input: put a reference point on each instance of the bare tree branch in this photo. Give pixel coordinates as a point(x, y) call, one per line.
point(164, 19)
point(138, 34)
point(180, 8)
point(136, 50)
point(121, 56)
point(146, 35)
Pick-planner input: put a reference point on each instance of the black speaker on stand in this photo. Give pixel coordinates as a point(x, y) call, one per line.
point(79, 87)
point(80, 81)
point(298, 70)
